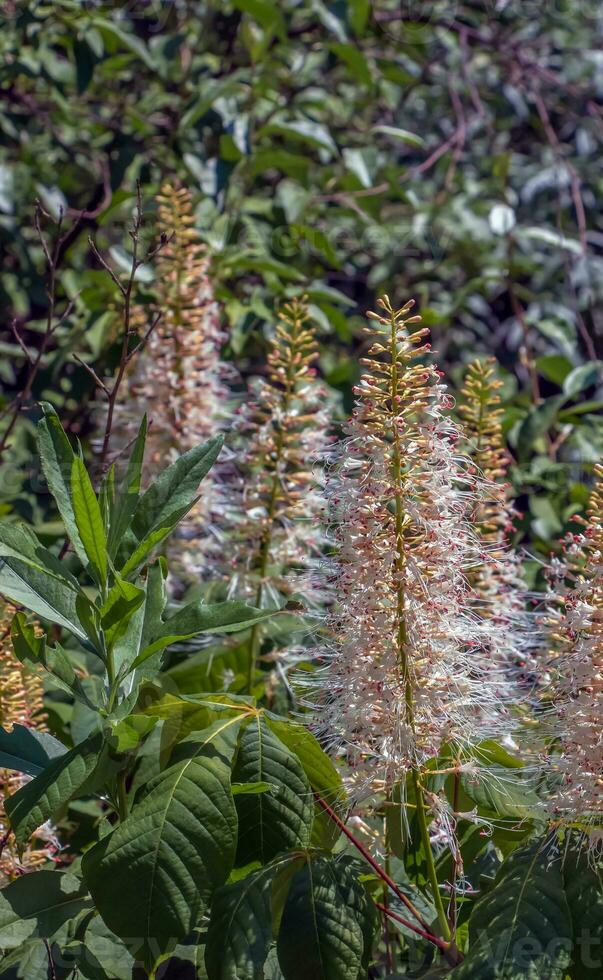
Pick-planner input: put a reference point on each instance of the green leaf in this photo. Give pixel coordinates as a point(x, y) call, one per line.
point(582, 377)
point(196, 618)
point(27, 750)
point(240, 928)
point(537, 423)
point(129, 492)
point(583, 879)
point(270, 823)
point(129, 733)
point(152, 540)
point(119, 607)
point(31, 649)
point(88, 519)
point(56, 456)
point(320, 771)
point(153, 876)
point(246, 789)
point(39, 799)
point(175, 489)
point(498, 792)
point(36, 905)
point(404, 135)
point(19, 541)
point(320, 936)
point(42, 593)
point(522, 927)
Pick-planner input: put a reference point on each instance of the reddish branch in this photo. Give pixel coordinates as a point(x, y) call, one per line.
point(450, 952)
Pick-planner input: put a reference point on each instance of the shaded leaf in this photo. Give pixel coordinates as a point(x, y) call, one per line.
point(281, 820)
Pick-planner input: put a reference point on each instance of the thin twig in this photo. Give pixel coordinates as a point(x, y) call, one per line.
point(52, 261)
point(19, 339)
point(92, 372)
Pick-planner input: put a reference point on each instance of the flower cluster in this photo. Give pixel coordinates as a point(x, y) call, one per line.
point(21, 703)
point(414, 661)
point(280, 434)
point(499, 580)
point(576, 621)
point(178, 378)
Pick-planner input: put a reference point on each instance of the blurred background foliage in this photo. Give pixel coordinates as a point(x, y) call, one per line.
point(443, 150)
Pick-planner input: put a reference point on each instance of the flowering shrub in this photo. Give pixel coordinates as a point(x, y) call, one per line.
point(302, 718)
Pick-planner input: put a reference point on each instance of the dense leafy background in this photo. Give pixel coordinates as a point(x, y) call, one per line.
point(446, 151)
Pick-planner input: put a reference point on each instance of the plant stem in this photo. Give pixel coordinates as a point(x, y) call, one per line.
point(402, 637)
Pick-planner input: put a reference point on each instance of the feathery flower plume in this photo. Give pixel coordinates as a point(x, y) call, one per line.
point(413, 665)
point(576, 621)
point(283, 428)
point(276, 532)
point(21, 703)
point(178, 378)
point(499, 580)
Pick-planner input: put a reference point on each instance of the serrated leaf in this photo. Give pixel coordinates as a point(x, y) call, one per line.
point(88, 519)
point(583, 880)
point(281, 820)
point(27, 750)
point(522, 927)
point(153, 876)
point(240, 928)
point(56, 457)
point(322, 775)
point(36, 905)
point(319, 935)
point(38, 800)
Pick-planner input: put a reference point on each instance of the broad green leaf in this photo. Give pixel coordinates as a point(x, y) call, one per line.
point(37, 904)
point(129, 732)
point(583, 879)
point(88, 519)
point(129, 494)
point(175, 489)
point(153, 876)
point(499, 791)
point(319, 935)
point(198, 617)
point(281, 820)
point(41, 593)
point(240, 928)
point(119, 607)
point(322, 775)
point(27, 750)
point(251, 789)
point(582, 377)
point(522, 927)
point(56, 456)
point(61, 779)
